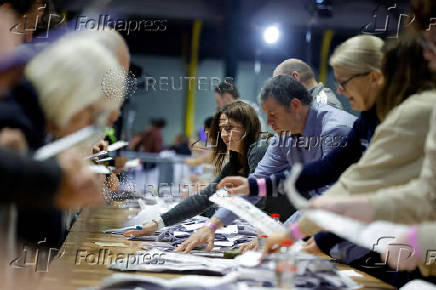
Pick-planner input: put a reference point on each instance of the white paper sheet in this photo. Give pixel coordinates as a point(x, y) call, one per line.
point(188, 282)
point(193, 227)
point(376, 236)
point(228, 230)
point(350, 273)
point(106, 244)
point(117, 145)
point(294, 197)
point(247, 211)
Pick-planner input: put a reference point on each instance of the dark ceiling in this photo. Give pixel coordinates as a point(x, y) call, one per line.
point(244, 21)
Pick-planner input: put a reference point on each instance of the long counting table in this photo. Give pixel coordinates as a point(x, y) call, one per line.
point(69, 270)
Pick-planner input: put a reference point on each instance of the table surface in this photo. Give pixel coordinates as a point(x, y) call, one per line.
point(75, 265)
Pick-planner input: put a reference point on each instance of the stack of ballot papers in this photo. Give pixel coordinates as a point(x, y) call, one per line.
point(225, 238)
point(243, 272)
point(128, 281)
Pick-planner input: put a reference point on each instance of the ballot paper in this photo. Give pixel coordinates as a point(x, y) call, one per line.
point(193, 227)
point(350, 273)
point(247, 211)
point(106, 244)
point(376, 236)
point(99, 169)
point(134, 163)
point(226, 238)
point(312, 272)
point(294, 197)
point(117, 145)
point(129, 281)
point(57, 146)
point(176, 263)
point(120, 231)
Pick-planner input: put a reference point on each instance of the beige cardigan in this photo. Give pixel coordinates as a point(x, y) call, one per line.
point(414, 202)
point(392, 166)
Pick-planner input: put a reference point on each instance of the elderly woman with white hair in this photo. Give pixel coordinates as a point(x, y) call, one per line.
point(66, 89)
point(73, 79)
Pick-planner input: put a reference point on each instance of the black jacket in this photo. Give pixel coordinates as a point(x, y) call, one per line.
point(20, 109)
point(197, 204)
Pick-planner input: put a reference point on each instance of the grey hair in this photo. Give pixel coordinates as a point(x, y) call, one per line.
point(284, 88)
point(359, 54)
point(288, 66)
point(68, 76)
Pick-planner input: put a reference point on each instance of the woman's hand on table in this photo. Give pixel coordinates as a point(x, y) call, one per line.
point(147, 230)
point(273, 242)
point(249, 246)
point(235, 185)
point(202, 236)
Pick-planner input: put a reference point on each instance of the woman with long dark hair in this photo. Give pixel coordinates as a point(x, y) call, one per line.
point(234, 134)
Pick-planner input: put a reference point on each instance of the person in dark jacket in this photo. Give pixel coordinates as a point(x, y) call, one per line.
point(235, 130)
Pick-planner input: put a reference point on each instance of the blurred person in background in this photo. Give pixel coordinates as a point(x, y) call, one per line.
point(199, 149)
point(202, 169)
point(181, 145)
point(150, 140)
point(226, 93)
point(304, 74)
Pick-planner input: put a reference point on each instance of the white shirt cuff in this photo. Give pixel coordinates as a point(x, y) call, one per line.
point(160, 223)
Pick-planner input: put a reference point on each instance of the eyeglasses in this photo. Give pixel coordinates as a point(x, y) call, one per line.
point(341, 85)
point(426, 43)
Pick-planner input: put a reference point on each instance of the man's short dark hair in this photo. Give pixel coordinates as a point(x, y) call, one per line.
point(158, 123)
point(284, 88)
point(21, 7)
point(229, 88)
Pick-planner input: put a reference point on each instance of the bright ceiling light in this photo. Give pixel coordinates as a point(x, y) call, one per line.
point(271, 34)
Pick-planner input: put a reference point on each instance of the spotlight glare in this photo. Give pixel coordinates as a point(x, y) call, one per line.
point(271, 34)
